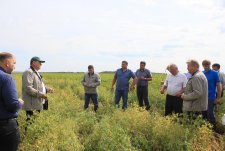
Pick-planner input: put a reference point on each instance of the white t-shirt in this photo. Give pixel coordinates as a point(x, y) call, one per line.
point(175, 83)
point(43, 86)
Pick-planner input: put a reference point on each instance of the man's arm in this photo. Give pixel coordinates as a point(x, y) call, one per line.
point(113, 82)
point(132, 87)
point(223, 81)
point(84, 83)
point(97, 81)
point(9, 93)
point(149, 76)
point(219, 92)
point(146, 79)
point(133, 83)
point(197, 91)
point(184, 83)
point(163, 88)
point(28, 85)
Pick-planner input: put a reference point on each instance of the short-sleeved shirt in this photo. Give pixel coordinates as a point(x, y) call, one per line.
point(175, 83)
point(142, 73)
point(123, 78)
point(212, 78)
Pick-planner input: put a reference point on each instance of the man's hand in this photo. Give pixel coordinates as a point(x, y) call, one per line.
point(162, 91)
point(218, 101)
point(44, 96)
point(143, 78)
point(112, 89)
point(50, 90)
point(178, 94)
point(182, 96)
point(21, 101)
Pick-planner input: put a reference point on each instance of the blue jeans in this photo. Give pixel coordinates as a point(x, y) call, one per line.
point(124, 95)
point(210, 112)
point(94, 98)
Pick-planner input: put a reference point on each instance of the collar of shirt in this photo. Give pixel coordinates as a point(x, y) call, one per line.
point(2, 69)
point(90, 74)
point(207, 71)
point(195, 73)
point(123, 70)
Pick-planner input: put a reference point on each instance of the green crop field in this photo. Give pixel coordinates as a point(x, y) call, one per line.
point(66, 126)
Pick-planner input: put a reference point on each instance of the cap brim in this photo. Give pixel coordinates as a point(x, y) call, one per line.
point(42, 61)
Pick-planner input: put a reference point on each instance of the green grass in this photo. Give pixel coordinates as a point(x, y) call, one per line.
point(66, 126)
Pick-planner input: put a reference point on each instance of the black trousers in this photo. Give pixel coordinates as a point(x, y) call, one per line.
point(142, 94)
point(9, 135)
point(29, 114)
point(173, 104)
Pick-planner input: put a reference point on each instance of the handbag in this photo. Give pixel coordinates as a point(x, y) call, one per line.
point(45, 105)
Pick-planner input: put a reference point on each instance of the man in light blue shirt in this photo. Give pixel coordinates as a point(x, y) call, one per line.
point(213, 85)
point(121, 78)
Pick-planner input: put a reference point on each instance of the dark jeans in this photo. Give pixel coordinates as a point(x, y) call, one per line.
point(210, 112)
point(142, 94)
point(124, 95)
point(173, 104)
point(94, 98)
point(9, 135)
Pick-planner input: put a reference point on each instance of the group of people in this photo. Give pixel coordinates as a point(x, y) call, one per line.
point(34, 95)
point(122, 76)
point(196, 93)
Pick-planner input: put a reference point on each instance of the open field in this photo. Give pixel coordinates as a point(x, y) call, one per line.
point(66, 126)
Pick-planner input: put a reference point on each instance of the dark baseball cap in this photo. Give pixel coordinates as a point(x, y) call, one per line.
point(36, 59)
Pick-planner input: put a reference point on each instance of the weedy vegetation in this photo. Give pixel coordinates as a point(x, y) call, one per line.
point(67, 127)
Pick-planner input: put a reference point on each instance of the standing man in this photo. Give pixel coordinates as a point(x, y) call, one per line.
point(33, 88)
point(195, 96)
point(9, 104)
point(91, 81)
point(143, 76)
point(214, 85)
point(121, 78)
point(216, 67)
point(174, 84)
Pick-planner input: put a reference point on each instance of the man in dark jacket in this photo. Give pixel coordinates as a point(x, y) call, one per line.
point(9, 104)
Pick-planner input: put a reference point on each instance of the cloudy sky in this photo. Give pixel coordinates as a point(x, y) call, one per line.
point(71, 34)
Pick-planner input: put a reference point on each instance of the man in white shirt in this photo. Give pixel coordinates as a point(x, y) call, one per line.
point(174, 85)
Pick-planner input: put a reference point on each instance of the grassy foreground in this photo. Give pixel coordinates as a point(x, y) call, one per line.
point(66, 126)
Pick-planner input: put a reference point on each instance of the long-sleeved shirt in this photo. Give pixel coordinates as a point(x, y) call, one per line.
point(196, 93)
point(9, 102)
point(91, 82)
